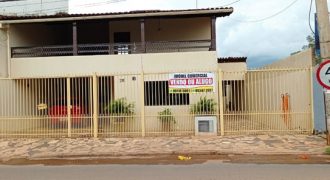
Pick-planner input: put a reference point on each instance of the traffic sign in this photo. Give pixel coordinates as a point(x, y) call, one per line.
point(323, 74)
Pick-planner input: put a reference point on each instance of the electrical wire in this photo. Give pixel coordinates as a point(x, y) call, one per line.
point(33, 4)
point(100, 3)
point(309, 17)
point(268, 17)
point(9, 0)
point(30, 4)
point(230, 3)
point(87, 5)
point(63, 8)
point(45, 11)
point(56, 1)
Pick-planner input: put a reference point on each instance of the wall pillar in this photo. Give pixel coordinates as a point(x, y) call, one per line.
point(110, 37)
point(4, 52)
point(74, 39)
point(143, 40)
point(213, 34)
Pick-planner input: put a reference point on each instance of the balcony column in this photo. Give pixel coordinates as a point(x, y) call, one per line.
point(143, 40)
point(74, 39)
point(213, 34)
point(110, 36)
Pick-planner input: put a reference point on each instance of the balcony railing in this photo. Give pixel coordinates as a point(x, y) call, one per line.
point(117, 48)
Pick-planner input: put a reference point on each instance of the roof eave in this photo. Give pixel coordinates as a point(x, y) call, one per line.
point(212, 12)
point(232, 60)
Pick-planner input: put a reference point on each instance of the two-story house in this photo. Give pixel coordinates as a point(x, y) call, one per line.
point(60, 69)
point(114, 42)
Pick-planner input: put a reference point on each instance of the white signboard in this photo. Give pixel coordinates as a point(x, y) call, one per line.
point(195, 82)
point(323, 74)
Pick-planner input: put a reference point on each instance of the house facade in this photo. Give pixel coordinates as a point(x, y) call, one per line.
point(139, 73)
point(119, 42)
point(47, 58)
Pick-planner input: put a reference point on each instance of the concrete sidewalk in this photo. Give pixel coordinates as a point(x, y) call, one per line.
point(71, 148)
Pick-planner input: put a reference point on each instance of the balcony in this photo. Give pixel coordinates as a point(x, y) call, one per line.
point(112, 48)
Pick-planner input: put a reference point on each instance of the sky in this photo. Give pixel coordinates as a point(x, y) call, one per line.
point(247, 32)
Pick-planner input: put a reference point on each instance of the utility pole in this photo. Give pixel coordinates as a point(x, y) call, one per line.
point(324, 31)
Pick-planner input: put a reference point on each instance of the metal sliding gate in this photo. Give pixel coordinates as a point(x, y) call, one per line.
point(39, 107)
point(132, 105)
point(268, 101)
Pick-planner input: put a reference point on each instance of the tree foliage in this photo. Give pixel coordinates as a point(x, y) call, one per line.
point(311, 42)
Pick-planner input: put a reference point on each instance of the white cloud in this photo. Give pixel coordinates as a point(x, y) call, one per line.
point(273, 38)
point(261, 42)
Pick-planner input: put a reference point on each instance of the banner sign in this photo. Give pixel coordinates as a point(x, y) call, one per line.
point(196, 82)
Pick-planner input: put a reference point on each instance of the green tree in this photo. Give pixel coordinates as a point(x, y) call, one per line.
point(311, 42)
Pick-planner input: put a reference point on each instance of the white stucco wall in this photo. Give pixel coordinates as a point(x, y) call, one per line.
point(240, 68)
point(178, 29)
point(303, 59)
point(113, 64)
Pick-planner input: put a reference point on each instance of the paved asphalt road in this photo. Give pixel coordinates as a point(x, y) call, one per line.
point(206, 171)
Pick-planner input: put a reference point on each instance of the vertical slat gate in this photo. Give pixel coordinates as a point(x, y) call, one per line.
point(268, 101)
point(265, 101)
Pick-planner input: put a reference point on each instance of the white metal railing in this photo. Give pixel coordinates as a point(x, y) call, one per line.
point(131, 105)
point(112, 48)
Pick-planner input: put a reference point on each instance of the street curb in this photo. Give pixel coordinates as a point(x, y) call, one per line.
point(148, 155)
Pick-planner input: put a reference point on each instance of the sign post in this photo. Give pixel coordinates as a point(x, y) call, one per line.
point(323, 74)
point(323, 77)
point(324, 34)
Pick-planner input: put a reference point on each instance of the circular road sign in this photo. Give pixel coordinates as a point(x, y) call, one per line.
point(323, 74)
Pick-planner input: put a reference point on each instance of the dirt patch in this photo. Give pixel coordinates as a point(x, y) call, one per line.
point(173, 159)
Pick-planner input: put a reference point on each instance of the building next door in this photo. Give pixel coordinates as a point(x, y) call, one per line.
point(122, 42)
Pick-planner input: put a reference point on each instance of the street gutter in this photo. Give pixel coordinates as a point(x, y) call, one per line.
point(173, 159)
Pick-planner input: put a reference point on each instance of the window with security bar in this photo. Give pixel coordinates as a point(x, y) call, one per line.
point(157, 94)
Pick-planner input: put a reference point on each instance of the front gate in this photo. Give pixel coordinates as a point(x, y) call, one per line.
point(132, 105)
point(268, 101)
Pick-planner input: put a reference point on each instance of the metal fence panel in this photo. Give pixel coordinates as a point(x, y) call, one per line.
point(80, 105)
point(28, 108)
point(119, 108)
point(268, 101)
point(173, 114)
point(132, 105)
